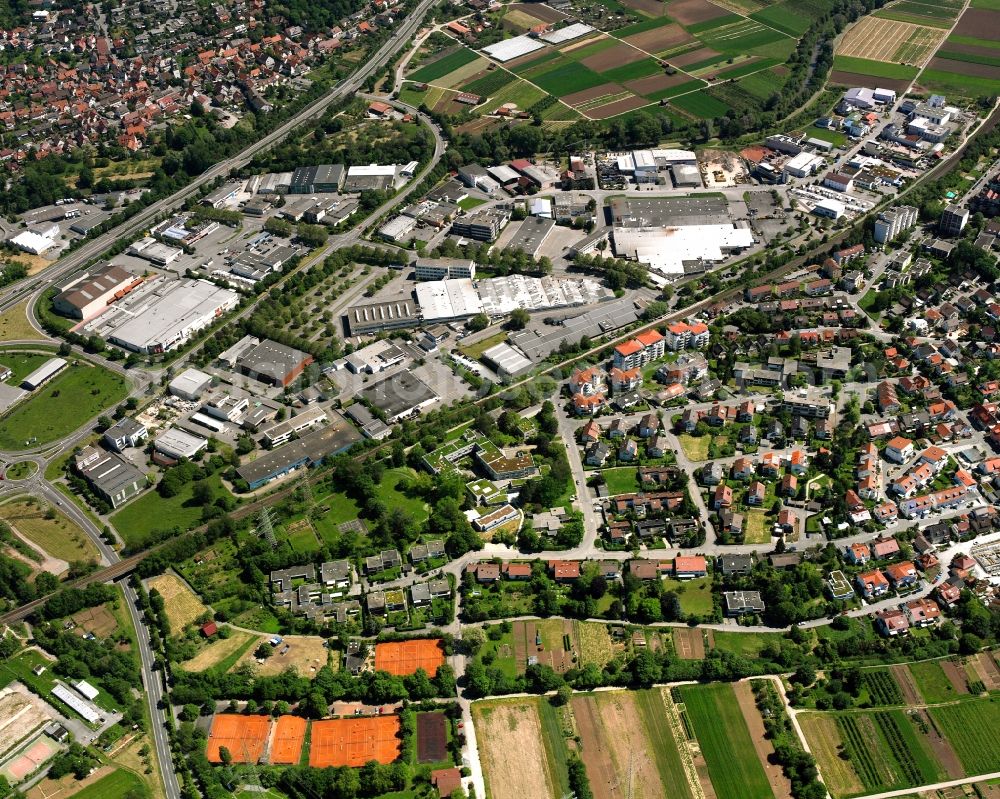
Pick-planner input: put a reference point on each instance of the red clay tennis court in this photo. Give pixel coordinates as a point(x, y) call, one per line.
point(289, 736)
point(244, 736)
point(354, 741)
point(405, 657)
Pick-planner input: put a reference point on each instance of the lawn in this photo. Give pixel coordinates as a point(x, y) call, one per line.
point(733, 765)
point(14, 325)
point(702, 105)
point(696, 448)
point(21, 364)
point(342, 508)
point(394, 499)
point(473, 351)
point(443, 66)
point(877, 69)
point(21, 470)
point(835, 137)
point(747, 644)
point(758, 531)
point(116, 785)
point(932, 682)
point(58, 536)
point(971, 728)
point(152, 512)
point(71, 399)
point(520, 93)
point(695, 595)
point(621, 481)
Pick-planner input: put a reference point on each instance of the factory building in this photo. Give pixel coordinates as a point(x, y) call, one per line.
point(92, 292)
point(273, 363)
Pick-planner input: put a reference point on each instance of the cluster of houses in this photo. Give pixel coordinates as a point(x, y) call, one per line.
point(590, 387)
point(92, 87)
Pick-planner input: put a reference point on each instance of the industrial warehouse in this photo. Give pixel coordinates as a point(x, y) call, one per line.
point(674, 236)
point(162, 315)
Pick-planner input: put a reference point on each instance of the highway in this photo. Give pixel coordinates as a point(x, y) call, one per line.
point(33, 287)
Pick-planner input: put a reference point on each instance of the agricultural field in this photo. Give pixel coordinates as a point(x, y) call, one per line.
point(933, 682)
point(740, 36)
point(443, 65)
point(71, 399)
point(966, 63)
point(792, 16)
point(890, 41)
point(970, 728)
point(701, 105)
point(885, 750)
point(735, 770)
point(619, 729)
point(876, 69)
point(882, 687)
point(515, 725)
point(180, 602)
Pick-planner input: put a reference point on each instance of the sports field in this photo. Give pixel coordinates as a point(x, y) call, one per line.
point(354, 741)
point(244, 736)
point(432, 737)
point(722, 733)
point(405, 657)
point(289, 737)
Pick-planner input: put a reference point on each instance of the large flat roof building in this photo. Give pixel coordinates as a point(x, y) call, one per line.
point(111, 477)
point(444, 268)
point(273, 363)
point(399, 395)
point(90, 293)
point(373, 317)
point(44, 373)
point(175, 443)
point(190, 384)
point(310, 450)
point(164, 314)
point(317, 179)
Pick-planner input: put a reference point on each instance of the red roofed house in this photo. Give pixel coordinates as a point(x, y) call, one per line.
point(902, 574)
point(687, 567)
point(892, 622)
point(872, 584)
point(209, 629)
point(858, 554)
point(643, 349)
point(885, 548)
point(564, 570)
point(923, 612)
point(446, 780)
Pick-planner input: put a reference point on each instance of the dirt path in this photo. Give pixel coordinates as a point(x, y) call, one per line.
point(903, 677)
point(780, 784)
